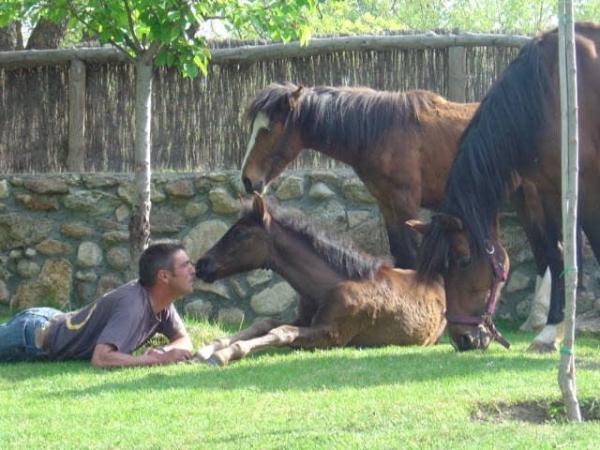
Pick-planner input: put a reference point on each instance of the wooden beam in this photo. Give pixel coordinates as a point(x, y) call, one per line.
point(253, 53)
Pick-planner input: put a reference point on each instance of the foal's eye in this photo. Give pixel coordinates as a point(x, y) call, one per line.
point(464, 262)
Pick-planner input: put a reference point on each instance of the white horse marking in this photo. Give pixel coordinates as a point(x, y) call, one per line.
point(261, 121)
point(540, 305)
point(551, 334)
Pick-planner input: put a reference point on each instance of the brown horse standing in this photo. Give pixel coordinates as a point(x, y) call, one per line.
point(346, 297)
point(516, 130)
point(400, 144)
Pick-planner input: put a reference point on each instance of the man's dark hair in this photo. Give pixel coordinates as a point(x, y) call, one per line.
point(156, 257)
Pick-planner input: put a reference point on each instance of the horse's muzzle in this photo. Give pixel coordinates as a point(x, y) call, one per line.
point(206, 269)
point(479, 339)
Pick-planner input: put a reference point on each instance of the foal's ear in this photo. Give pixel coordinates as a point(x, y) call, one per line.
point(418, 226)
point(260, 208)
point(294, 96)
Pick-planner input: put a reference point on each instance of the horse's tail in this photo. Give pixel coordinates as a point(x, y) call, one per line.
point(500, 139)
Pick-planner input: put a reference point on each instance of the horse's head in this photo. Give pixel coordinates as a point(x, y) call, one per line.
point(472, 281)
point(244, 247)
point(274, 141)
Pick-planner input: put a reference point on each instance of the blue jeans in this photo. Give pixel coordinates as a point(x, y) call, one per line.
point(17, 336)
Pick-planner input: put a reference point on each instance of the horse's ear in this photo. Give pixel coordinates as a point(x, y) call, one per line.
point(294, 96)
point(418, 226)
point(260, 208)
point(449, 222)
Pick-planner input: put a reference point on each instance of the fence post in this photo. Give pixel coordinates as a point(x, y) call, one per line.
point(76, 152)
point(457, 76)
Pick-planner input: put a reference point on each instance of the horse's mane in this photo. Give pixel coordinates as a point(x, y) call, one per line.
point(339, 252)
point(500, 139)
point(348, 117)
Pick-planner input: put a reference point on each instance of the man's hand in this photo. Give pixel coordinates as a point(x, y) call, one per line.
point(155, 351)
point(173, 355)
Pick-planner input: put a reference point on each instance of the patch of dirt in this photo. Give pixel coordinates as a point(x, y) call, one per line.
point(534, 412)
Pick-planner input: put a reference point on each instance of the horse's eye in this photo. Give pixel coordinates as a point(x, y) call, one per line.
point(464, 262)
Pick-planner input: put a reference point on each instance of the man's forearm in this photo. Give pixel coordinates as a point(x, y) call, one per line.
point(105, 356)
point(117, 359)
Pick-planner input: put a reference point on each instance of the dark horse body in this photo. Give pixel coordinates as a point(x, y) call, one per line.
point(346, 297)
point(516, 131)
point(400, 144)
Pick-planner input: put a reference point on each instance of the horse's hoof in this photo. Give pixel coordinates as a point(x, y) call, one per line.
point(542, 347)
point(206, 351)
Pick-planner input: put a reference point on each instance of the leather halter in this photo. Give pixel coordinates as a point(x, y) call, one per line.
point(485, 319)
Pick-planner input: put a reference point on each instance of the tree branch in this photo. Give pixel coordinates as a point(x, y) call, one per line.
point(149, 54)
point(135, 42)
point(88, 26)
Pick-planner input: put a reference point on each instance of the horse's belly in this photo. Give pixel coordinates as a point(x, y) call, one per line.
point(394, 332)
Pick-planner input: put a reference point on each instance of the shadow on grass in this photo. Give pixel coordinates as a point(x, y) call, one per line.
point(285, 369)
point(22, 371)
point(313, 371)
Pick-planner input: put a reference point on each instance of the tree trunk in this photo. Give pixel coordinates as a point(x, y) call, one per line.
point(8, 37)
point(139, 226)
point(46, 34)
point(570, 169)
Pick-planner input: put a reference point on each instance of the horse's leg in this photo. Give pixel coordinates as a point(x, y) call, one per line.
point(590, 218)
point(403, 239)
point(256, 329)
point(553, 332)
point(321, 336)
point(526, 203)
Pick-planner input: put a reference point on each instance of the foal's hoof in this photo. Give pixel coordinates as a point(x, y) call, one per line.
point(214, 361)
point(542, 347)
point(206, 351)
point(196, 359)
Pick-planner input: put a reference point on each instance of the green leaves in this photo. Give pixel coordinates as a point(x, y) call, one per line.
point(171, 31)
point(275, 20)
point(380, 16)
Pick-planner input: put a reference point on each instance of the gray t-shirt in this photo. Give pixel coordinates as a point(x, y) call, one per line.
point(122, 317)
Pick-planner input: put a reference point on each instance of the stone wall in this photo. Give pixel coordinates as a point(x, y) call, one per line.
point(63, 239)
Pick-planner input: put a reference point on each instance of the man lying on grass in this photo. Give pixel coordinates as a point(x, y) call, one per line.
point(108, 330)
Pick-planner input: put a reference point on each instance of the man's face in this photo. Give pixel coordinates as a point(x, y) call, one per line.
point(181, 278)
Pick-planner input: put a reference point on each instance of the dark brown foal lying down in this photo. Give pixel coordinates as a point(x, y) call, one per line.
point(347, 298)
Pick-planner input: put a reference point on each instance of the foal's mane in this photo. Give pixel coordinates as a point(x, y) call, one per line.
point(351, 118)
point(339, 252)
point(500, 139)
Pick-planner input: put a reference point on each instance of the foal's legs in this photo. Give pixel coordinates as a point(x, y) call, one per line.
point(330, 327)
point(306, 311)
point(321, 336)
point(257, 329)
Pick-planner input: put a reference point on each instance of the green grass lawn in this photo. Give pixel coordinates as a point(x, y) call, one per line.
point(381, 398)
